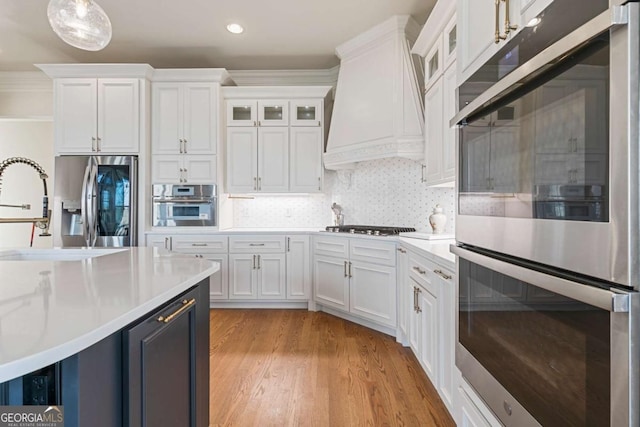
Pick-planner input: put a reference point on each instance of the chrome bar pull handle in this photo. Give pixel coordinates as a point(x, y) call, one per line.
point(98, 144)
point(418, 292)
point(184, 141)
point(288, 244)
point(254, 263)
point(181, 149)
point(259, 261)
point(345, 269)
point(350, 275)
point(260, 183)
point(255, 183)
point(498, 35)
point(94, 144)
point(442, 274)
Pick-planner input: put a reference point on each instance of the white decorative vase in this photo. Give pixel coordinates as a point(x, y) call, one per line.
point(438, 220)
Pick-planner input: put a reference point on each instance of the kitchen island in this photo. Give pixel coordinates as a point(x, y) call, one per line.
point(115, 328)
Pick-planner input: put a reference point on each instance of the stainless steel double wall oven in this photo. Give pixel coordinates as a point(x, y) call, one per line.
point(548, 224)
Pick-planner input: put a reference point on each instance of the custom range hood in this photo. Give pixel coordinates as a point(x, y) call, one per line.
point(378, 110)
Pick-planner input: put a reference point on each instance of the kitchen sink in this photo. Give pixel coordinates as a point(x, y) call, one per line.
point(54, 254)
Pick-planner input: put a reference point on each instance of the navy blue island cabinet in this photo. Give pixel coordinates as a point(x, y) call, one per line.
point(153, 372)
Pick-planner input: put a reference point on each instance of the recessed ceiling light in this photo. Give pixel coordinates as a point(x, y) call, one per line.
point(235, 28)
point(535, 21)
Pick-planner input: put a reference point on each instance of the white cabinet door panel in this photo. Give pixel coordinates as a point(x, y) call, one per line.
point(242, 276)
point(305, 159)
point(273, 159)
point(118, 115)
point(242, 156)
point(200, 114)
point(373, 292)
point(76, 115)
point(219, 282)
point(434, 130)
point(428, 307)
point(200, 169)
point(165, 169)
point(271, 276)
point(331, 282)
point(167, 113)
point(449, 132)
point(298, 268)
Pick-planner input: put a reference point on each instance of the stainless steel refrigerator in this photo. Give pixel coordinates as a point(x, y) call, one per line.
point(95, 201)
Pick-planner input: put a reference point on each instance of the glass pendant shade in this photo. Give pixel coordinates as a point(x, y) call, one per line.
point(80, 23)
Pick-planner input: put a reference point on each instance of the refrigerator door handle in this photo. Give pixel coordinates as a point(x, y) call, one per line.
point(93, 219)
point(83, 203)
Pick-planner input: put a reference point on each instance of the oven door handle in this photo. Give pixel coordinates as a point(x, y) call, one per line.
point(614, 16)
point(602, 298)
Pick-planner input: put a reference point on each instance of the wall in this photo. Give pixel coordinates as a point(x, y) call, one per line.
point(20, 183)
point(381, 192)
point(26, 130)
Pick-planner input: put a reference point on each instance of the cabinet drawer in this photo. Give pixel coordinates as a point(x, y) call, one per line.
point(331, 246)
point(200, 244)
point(369, 250)
point(256, 244)
point(422, 271)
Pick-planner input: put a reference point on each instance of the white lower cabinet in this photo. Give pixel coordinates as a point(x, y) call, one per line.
point(331, 282)
point(471, 411)
point(211, 247)
point(356, 276)
point(423, 326)
point(298, 268)
point(373, 292)
point(428, 308)
point(257, 276)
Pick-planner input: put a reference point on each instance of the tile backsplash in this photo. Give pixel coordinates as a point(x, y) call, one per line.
point(379, 192)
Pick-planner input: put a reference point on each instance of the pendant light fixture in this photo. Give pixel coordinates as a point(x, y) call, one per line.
point(80, 23)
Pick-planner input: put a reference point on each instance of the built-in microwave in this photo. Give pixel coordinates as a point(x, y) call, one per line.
point(184, 205)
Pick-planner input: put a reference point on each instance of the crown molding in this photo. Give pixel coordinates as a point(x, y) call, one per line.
point(293, 92)
point(437, 21)
point(218, 75)
point(395, 26)
point(25, 81)
point(144, 71)
point(325, 77)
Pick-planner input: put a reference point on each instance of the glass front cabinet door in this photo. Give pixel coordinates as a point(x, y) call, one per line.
point(273, 112)
point(306, 112)
point(242, 112)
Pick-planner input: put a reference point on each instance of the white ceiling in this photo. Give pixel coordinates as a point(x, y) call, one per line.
point(279, 34)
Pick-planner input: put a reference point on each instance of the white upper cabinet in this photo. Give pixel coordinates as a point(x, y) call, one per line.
point(273, 160)
point(97, 115)
point(484, 26)
point(273, 112)
point(242, 159)
point(242, 112)
point(438, 44)
point(257, 159)
point(184, 117)
point(306, 112)
point(305, 159)
point(253, 112)
point(275, 138)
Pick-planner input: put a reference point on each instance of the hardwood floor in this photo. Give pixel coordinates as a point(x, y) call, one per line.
point(300, 368)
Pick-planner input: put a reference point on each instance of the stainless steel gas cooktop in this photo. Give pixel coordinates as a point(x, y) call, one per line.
point(372, 230)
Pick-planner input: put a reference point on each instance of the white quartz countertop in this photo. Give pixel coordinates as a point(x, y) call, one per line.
point(228, 231)
point(436, 250)
point(52, 309)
